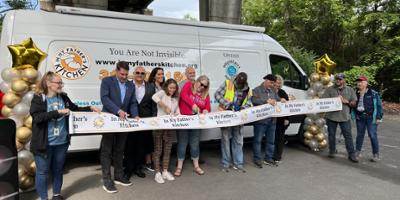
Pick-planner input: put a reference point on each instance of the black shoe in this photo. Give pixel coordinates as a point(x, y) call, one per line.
point(353, 159)
point(258, 164)
point(270, 163)
point(57, 197)
point(109, 187)
point(123, 181)
point(140, 173)
point(149, 167)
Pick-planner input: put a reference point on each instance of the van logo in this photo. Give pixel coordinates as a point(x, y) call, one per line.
point(231, 68)
point(71, 63)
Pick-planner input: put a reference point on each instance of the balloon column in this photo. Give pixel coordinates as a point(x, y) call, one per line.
point(315, 129)
point(18, 85)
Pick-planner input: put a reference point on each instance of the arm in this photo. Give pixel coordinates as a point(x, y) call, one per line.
point(353, 98)
point(157, 99)
point(133, 105)
point(72, 106)
point(208, 104)
point(185, 94)
point(105, 97)
point(219, 96)
point(153, 104)
point(39, 115)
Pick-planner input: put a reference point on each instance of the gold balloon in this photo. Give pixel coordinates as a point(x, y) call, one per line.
point(23, 134)
point(314, 77)
point(307, 141)
point(26, 53)
point(10, 99)
point(32, 168)
point(28, 121)
point(323, 144)
point(6, 111)
point(33, 87)
point(313, 129)
point(19, 86)
point(324, 65)
point(325, 80)
point(26, 182)
point(320, 137)
point(29, 74)
point(19, 145)
point(21, 170)
point(308, 135)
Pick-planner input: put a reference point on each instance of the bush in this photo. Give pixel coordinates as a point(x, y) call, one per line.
point(304, 58)
point(357, 71)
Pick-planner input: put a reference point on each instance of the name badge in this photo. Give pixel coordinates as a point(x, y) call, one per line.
point(56, 132)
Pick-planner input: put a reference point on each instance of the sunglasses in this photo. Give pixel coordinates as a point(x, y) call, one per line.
point(204, 86)
point(58, 83)
point(140, 73)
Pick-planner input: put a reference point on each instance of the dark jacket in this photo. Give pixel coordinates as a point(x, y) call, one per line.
point(280, 121)
point(372, 105)
point(110, 95)
point(147, 107)
point(40, 119)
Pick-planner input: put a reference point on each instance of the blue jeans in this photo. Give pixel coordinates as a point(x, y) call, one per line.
point(232, 137)
point(366, 123)
point(260, 130)
point(191, 136)
point(345, 127)
point(54, 160)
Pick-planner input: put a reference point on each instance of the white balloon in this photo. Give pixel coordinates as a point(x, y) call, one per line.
point(28, 98)
point(317, 86)
point(19, 120)
point(5, 74)
point(25, 157)
point(4, 87)
point(21, 109)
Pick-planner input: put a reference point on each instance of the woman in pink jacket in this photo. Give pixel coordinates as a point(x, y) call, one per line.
point(194, 99)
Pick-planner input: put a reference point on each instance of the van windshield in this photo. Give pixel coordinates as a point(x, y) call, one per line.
point(287, 69)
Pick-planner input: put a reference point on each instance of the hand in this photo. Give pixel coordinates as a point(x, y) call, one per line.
point(167, 110)
point(123, 115)
point(195, 109)
point(136, 119)
point(95, 109)
point(292, 97)
point(283, 100)
point(286, 122)
point(63, 111)
point(271, 101)
point(344, 101)
point(205, 111)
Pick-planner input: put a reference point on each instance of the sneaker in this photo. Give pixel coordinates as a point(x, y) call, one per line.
point(240, 169)
point(57, 197)
point(375, 158)
point(353, 159)
point(123, 181)
point(168, 176)
point(270, 163)
point(258, 164)
point(158, 178)
point(225, 169)
point(149, 167)
point(109, 187)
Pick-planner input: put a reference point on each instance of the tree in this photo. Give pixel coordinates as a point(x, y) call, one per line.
point(14, 5)
point(189, 17)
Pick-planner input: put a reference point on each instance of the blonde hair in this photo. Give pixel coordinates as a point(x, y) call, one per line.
point(198, 80)
point(279, 77)
point(42, 87)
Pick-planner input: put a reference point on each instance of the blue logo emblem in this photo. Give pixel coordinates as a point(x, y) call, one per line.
point(231, 68)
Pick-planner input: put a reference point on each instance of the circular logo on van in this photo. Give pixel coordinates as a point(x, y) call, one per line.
point(71, 63)
point(231, 68)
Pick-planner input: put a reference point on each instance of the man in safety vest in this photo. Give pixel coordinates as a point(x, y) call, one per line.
point(233, 95)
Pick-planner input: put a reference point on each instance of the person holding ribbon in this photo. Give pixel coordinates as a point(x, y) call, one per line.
point(194, 99)
point(50, 109)
point(233, 95)
point(118, 97)
point(265, 94)
point(342, 118)
point(167, 104)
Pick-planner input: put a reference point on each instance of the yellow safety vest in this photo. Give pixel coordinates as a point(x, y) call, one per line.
point(230, 92)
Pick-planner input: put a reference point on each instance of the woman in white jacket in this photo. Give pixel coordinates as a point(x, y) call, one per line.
point(167, 104)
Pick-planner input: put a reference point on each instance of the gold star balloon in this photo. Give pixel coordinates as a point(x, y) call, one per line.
point(324, 65)
point(26, 55)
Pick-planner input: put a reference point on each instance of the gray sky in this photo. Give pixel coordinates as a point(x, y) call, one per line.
point(175, 8)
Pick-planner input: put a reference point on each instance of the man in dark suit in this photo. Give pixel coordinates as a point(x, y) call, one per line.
point(140, 144)
point(118, 97)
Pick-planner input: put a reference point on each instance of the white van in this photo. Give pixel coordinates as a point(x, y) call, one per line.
point(83, 46)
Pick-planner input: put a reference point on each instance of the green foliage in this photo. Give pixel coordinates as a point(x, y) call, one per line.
point(352, 33)
point(357, 71)
point(304, 58)
point(189, 17)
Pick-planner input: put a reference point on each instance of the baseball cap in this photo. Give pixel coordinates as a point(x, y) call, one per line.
point(362, 78)
point(270, 77)
point(340, 76)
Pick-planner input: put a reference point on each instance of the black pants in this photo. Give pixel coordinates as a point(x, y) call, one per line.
point(279, 138)
point(112, 152)
point(138, 145)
